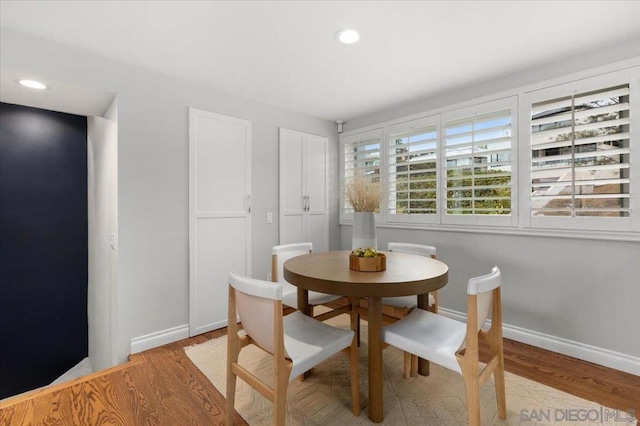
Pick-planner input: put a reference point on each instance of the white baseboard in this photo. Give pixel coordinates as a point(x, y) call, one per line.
point(209, 327)
point(159, 338)
point(616, 360)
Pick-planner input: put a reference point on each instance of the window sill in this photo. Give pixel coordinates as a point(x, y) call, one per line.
point(530, 232)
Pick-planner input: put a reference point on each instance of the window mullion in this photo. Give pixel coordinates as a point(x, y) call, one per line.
point(573, 155)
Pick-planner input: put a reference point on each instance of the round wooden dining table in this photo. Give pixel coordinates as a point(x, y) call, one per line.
point(406, 274)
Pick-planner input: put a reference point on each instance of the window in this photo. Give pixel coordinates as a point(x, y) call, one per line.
point(580, 141)
point(413, 171)
point(580, 154)
point(478, 152)
point(361, 156)
point(458, 166)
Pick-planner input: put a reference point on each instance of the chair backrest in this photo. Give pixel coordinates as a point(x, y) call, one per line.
point(281, 254)
point(483, 287)
point(419, 249)
point(256, 308)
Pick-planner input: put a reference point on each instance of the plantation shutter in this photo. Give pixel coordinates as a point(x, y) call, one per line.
point(580, 154)
point(478, 162)
point(412, 160)
point(361, 156)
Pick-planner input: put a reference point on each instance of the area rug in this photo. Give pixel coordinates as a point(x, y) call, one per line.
point(439, 399)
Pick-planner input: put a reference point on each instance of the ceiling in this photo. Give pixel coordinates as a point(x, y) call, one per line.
point(284, 52)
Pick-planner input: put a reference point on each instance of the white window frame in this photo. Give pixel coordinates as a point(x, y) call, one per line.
point(408, 126)
point(346, 139)
point(629, 76)
point(511, 220)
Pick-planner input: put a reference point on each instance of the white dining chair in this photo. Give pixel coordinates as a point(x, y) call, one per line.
point(409, 302)
point(297, 343)
point(282, 253)
point(454, 345)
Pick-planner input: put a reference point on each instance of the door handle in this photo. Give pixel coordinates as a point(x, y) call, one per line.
point(249, 203)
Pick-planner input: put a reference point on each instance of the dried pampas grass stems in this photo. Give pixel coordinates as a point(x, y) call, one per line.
point(363, 193)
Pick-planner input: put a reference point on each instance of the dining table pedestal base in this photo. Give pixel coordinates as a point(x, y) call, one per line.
point(374, 320)
point(423, 364)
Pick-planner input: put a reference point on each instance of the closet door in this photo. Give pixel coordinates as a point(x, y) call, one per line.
point(315, 177)
point(292, 196)
point(219, 213)
point(303, 189)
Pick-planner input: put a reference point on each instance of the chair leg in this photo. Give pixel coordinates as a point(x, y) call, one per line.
point(406, 370)
point(434, 308)
point(280, 397)
point(231, 385)
point(414, 366)
point(498, 377)
point(280, 409)
point(231, 396)
point(410, 365)
point(472, 386)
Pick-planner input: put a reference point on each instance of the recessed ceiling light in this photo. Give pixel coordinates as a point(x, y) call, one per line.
point(348, 36)
point(33, 84)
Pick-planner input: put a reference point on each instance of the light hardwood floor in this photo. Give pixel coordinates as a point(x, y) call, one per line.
point(162, 387)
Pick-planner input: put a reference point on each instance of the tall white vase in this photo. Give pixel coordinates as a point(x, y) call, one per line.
point(364, 231)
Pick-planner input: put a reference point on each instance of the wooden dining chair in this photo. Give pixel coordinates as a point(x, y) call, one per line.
point(282, 253)
point(297, 343)
point(454, 345)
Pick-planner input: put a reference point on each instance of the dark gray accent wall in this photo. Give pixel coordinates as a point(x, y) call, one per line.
point(43, 246)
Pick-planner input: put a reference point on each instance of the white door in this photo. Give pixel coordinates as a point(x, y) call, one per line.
point(219, 213)
point(303, 189)
point(292, 196)
point(315, 178)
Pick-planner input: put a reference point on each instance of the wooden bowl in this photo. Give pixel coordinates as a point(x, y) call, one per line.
point(368, 264)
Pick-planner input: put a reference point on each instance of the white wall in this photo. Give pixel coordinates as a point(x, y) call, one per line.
point(582, 291)
point(102, 162)
point(153, 174)
point(593, 59)
point(575, 296)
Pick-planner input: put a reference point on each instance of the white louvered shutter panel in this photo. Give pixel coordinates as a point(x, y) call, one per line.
point(580, 154)
point(412, 163)
point(478, 150)
point(361, 156)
